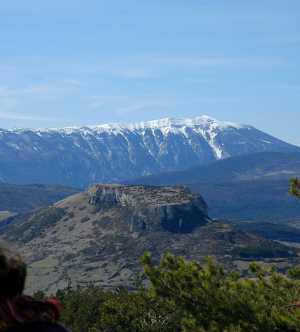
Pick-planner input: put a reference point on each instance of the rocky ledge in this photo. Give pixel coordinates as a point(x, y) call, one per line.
point(174, 209)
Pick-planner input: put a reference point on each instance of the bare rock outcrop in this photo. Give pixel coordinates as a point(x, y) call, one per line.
point(173, 209)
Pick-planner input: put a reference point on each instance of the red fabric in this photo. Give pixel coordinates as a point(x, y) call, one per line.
point(57, 307)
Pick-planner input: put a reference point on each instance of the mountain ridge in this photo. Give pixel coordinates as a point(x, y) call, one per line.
point(159, 123)
point(79, 157)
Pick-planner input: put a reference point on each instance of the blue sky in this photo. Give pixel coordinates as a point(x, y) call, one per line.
point(87, 62)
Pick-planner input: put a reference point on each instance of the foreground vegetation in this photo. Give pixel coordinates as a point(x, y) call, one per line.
point(185, 296)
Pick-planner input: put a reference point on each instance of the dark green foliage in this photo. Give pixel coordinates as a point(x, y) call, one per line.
point(127, 312)
point(189, 297)
point(294, 188)
point(208, 299)
point(82, 307)
point(295, 272)
point(92, 309)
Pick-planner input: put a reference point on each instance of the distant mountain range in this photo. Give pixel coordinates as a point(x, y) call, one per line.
point(115, 152)
point(248, 187)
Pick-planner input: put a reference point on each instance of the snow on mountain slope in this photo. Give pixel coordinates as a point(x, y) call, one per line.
point(114, 152)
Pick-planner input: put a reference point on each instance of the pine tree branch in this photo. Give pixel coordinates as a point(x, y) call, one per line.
point(294, 188)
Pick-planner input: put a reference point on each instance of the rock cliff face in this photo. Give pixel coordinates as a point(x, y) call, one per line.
point(174, 209)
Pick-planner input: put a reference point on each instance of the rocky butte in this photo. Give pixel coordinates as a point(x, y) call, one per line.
point(173, 209)
point(99, 236)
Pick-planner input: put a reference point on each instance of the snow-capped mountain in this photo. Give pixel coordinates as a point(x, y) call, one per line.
point(114, 152)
